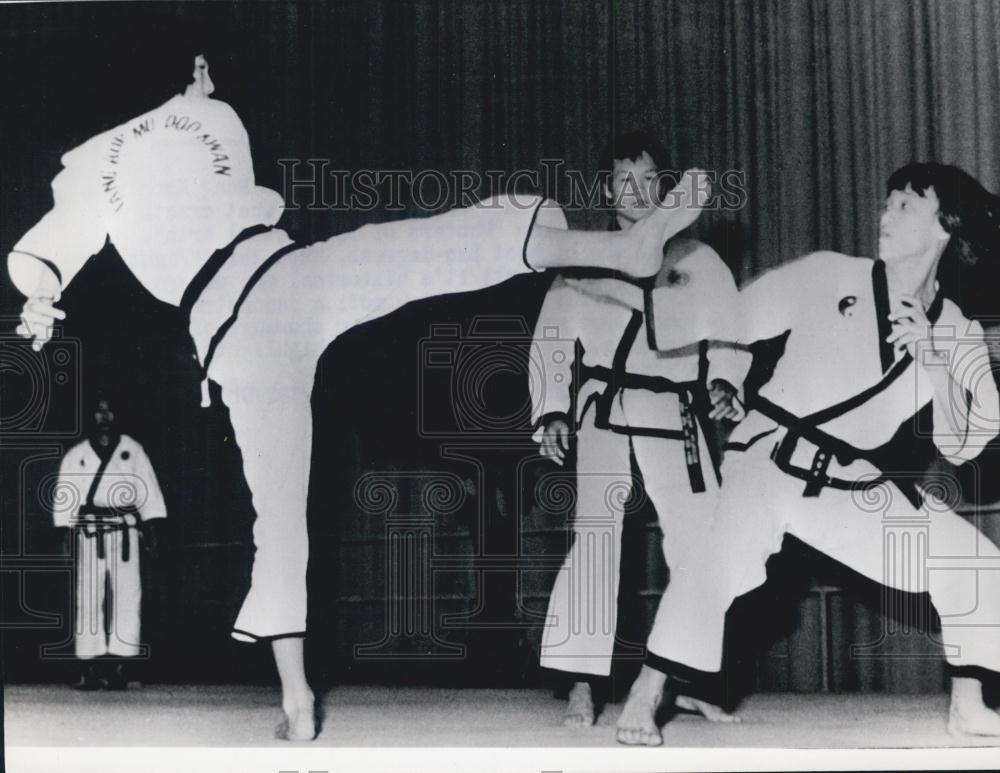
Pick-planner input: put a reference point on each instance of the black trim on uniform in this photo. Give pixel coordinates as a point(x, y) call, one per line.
point(619, 379)
point(257, 639)
point(545, 418)
point(846, 406)
point(685, 680)
point(647, 302)
point(527, 238)
point(214, 264)
point(257, 275)
point(934, 310)
point(48, 263)
point(983, 674)
point(741, 447)
point(92, 492)
point(880, 286)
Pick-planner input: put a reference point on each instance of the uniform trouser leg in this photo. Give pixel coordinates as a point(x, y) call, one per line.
point(875, 533)
point(930, 549)
point(273, 427)
point(267, 362)
point(90, 639)
point(126, 594)
point(582, 614)
point(685, 516)
point(747, 527)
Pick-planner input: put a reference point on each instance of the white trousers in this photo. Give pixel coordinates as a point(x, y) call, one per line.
point(93, 577)
point(579, 635)
point(877, 533)
point(267, 362)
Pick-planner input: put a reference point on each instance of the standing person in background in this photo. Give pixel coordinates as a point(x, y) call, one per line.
point(632, 387)
point(108, 499)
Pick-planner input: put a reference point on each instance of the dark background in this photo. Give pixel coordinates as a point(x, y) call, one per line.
point(814, 103)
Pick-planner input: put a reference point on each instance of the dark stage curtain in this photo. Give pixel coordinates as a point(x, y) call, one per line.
point(810, 103)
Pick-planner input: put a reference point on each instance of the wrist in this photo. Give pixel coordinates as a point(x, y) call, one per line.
point(547, 418)
point(34, 276)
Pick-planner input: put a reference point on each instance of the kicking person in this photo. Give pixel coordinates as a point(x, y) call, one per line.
point(870, 344)
point(631, 389)
point(174, 191)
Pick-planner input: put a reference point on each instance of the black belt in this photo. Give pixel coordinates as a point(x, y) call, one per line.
point(618, 379)
point(108, 520)
point(828, 448)
point(208, 272)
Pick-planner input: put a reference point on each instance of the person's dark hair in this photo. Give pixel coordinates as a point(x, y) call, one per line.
point(630, 146)
point(134, 67)
point(967, 211)
point(969, 269)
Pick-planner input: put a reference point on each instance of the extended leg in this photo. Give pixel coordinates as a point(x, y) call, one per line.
point(273, 425)
point(637, 251)
point(933, 550)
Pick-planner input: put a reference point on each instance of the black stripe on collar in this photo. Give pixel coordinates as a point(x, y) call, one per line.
point(880, 285)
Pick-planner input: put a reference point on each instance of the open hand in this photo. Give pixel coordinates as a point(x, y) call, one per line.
point(38, 317)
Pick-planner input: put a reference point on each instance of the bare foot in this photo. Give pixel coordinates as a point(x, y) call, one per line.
point(969, 715)
point(580, 707)
point(709, 711)
point(680, 208)
point(299, 723)
point(637, 723)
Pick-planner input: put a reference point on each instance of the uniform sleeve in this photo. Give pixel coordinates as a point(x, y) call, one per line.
point(974, 402)
point(153, 505)
point(768, 306)
point(72, 231)
point(727, 360)
point(552, 355)
point(67, 497)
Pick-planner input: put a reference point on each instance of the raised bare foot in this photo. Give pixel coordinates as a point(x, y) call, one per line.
point(709, 711)
point(299, 723)
point(580, 707)
point(637, 724)
point(643, 255)
point(969, 714)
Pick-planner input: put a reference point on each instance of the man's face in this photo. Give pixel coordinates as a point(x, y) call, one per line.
point(909, 225)
point(201, 84)
point(634, 187)
point(104, 417)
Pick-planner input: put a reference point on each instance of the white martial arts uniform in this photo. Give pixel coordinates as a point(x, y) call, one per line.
point(106, 540)
point(175, 185)
point(580, 341)
point(818, 479)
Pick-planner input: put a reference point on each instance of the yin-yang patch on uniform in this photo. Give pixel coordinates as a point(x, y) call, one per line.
point(846, 305)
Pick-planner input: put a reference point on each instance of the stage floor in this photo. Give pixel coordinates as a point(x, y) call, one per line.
point(240, 716)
